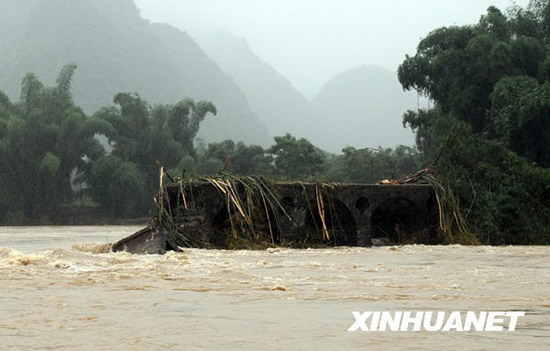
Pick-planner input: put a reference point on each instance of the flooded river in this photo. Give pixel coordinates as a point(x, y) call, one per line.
point(58, 293)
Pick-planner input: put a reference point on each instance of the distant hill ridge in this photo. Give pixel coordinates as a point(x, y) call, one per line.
point(363, 107)
point(270, 95)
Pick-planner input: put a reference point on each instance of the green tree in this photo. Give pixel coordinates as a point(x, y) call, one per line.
point(184, 121)
point(520, 111)
point(458, 67)
point(148, 136)
point(371, 165)
point(117, 185)
point(296, 158)
point(239, 158)
point(144, 135)
point(489, 131)
point(45, 140)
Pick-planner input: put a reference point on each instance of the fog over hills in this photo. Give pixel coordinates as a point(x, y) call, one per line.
point(363, 107)
point(270, 95)
point(116, 50)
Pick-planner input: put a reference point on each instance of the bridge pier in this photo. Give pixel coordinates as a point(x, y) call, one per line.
point(363, 221)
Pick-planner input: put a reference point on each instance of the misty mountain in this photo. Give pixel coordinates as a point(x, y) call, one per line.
point(116, 50)
point(270, 95)
point(363, 107)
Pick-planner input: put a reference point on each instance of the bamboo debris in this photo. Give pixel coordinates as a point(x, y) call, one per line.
point(321, 211)
point(183, 197)
point(453, 227)
point(161, 186)
point(254, 209)
point(410, 179)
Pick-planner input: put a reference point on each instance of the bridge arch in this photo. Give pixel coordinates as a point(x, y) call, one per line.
point(362, 204)
point(399, 220)
point(339, 221)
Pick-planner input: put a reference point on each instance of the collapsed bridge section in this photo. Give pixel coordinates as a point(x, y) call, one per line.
point(226, 213)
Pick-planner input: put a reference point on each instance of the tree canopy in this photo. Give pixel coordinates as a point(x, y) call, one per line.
point(46, 141)
point(488, 132)
point(484, 75)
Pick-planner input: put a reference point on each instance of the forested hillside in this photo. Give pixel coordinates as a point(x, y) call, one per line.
point(116, 50)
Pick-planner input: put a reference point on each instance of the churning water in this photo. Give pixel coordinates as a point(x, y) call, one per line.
point(58, 292)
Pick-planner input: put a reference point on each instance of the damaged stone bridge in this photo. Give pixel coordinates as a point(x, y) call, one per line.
point(335, 214)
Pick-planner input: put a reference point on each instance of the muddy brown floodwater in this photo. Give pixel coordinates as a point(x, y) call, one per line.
point(58, 293)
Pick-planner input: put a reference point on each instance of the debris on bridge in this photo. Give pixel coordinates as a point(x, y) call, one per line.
point(232, 212)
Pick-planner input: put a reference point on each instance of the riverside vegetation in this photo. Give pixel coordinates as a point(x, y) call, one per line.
point(486, 139)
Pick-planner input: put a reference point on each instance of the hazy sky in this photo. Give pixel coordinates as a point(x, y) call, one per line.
point(310, 41)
